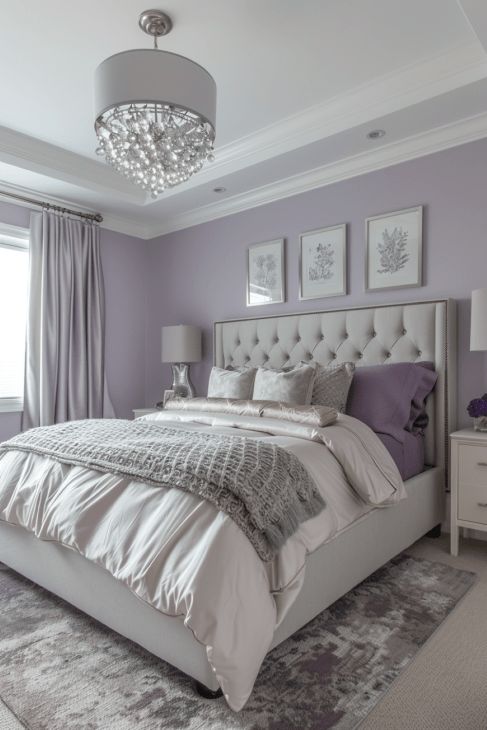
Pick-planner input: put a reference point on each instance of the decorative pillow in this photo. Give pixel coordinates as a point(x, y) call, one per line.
point(292, 386)
point(332, 384)
point(237, 383)
point(319, 416)
point(312, 415)
point(388, 398)
point(235, 406)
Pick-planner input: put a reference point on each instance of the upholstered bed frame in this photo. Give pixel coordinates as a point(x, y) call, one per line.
point(365, 335)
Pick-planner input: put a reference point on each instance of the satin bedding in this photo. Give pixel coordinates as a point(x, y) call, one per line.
point(183, 556)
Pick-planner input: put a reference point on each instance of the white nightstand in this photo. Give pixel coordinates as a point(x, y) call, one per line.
point(144, 411)
point(468, 483)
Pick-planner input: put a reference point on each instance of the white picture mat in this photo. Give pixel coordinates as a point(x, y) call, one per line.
point(410, 221)
point(334, 239)
point(265, 284)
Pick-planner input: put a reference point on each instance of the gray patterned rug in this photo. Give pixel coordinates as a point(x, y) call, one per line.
point(60, 670)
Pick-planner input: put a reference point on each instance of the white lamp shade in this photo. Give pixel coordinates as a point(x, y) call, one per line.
point(181, 343)
point(150, 75)
point(478, 321)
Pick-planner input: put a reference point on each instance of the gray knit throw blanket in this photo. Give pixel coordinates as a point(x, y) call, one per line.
point(262, 487)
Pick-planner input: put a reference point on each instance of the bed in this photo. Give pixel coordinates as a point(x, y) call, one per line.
point(366, 335)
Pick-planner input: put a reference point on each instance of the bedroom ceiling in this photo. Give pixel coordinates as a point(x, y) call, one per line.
point(299, 87)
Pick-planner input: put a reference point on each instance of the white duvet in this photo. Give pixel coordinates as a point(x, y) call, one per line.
point(182, 555)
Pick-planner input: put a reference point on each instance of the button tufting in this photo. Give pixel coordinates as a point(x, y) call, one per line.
point(419, 353)
point(388, 354)
point(345, 336)
point(333, 356)
point(404, 331)
point(374, 333)
point(360, 356)
point(322, 336)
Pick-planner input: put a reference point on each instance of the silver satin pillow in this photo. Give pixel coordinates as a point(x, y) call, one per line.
point(236, 383)
point(331, 385)
point(291, 386)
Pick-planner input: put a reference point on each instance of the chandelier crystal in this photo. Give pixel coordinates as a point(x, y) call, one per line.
point(155, 124)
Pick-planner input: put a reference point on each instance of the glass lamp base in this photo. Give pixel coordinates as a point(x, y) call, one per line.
point(480, 423)
point(181, 382)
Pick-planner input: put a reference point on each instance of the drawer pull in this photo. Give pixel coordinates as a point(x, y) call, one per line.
point(481, 463)
point(482, 504)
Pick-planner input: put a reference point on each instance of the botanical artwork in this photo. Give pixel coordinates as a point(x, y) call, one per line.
point(323, 263)
point(265, 265)
point(265, 270)
point(394, 249)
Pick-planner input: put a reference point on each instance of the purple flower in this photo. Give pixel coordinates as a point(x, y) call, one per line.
point(478, 407)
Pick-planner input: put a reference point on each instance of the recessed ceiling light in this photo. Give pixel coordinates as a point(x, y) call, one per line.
point(376, 134)
point(219, 190)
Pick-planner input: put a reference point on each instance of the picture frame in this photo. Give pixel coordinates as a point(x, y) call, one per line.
point(394, 250)
point(323, 262)
point(266, 273)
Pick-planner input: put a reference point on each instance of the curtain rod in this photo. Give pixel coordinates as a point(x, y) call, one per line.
point(96, 217)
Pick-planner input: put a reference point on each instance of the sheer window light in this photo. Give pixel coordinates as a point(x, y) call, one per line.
point(14, 265)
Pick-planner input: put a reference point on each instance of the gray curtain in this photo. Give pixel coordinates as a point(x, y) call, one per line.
point(65, 369)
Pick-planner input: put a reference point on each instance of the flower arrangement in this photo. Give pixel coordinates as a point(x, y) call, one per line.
point(477, 409)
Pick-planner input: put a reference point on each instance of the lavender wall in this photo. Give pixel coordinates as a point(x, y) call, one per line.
point(197, 275)
point(124, 267)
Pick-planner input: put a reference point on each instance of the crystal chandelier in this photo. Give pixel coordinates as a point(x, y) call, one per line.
point(155, 112)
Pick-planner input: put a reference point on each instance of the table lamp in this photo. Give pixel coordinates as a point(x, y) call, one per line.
point(478, 320)
point(181, 345)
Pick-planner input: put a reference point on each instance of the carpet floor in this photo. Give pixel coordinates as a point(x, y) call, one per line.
point(59, 670)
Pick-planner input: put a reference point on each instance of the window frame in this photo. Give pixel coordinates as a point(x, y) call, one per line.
point(13, 237)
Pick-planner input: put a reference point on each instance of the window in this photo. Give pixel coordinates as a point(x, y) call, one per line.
point(14, 265)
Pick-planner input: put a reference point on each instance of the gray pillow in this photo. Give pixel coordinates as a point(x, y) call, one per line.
point(332, 384)
point(237, 383)
point(288, 386)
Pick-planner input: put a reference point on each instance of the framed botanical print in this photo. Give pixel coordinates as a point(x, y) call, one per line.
point(323, 263)
point(394, 249)
point(265, 273)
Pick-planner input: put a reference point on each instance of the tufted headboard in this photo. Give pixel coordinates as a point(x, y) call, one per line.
point(365, 335)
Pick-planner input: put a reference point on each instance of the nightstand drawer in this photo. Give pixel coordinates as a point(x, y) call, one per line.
point(472, 503)
point(473, 465)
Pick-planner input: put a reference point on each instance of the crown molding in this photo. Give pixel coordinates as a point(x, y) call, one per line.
point(41, 157)
point(382, 96)
point(425, 143)
point(441, 138)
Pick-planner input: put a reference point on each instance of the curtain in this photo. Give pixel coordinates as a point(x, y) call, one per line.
point(65, 369)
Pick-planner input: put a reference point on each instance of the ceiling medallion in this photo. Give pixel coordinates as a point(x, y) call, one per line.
point(155, 112)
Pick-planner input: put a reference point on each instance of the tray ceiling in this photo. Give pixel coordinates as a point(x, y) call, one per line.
point(299, 87)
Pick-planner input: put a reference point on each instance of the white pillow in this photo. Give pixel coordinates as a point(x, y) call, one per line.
point(288, 386)
point(236, 383)
point(332, 384)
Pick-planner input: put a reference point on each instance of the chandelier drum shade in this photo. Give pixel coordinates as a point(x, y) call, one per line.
point(155, 114)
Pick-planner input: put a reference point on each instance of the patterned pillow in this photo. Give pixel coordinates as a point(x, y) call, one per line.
point(288, 386)
point(237, 383)
point(332, 384)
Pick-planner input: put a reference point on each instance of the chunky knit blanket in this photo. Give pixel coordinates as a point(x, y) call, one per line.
point(261, 486)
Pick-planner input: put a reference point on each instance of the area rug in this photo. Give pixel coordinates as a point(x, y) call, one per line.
point(60, 670)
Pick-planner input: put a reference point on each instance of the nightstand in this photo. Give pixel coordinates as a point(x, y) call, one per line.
point(144, 411)
point(468, 483)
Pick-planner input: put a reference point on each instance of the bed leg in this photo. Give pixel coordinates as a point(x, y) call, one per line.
point(435, 532)
point(208, 694)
